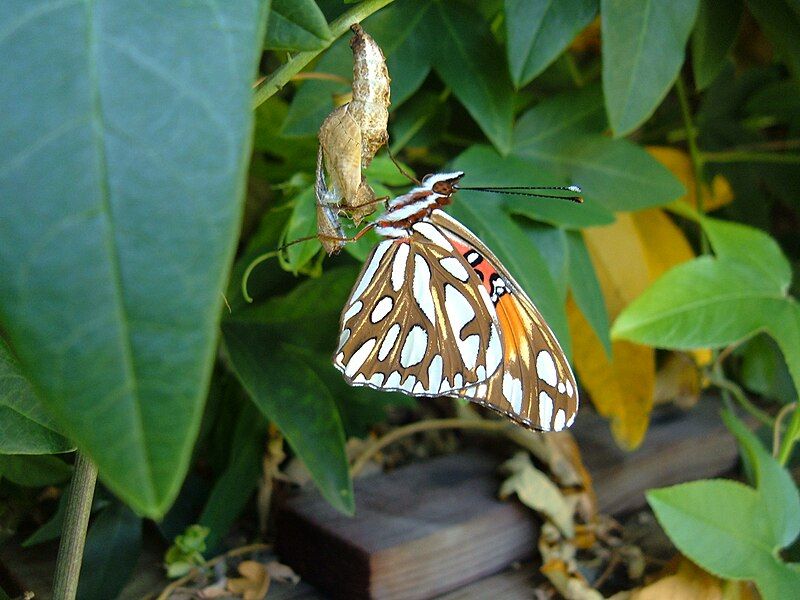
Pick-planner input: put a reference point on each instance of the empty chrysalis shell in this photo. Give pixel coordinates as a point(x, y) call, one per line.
point(352, 134)
point(329, 229)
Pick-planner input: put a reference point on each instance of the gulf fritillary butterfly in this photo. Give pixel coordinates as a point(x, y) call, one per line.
point(435, 313)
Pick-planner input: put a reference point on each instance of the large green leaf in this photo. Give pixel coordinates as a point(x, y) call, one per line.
point(713, 302)
point(296, 25)
point(561, 135)
point(33, 471)
point(780, 20)
point(288, 392)
point(539, 31)
point(125, 145)
point(469, 60)
point(112, 548)
point(643, 48)
point(25, 427)
point(723, 526)
point(774, 484)
point(714, 34)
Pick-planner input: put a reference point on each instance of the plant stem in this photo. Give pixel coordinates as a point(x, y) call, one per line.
point(737, 156)
point(429, 425)
point(694, 154)
point(720, 381)
point(284, 73)
point(73, 535)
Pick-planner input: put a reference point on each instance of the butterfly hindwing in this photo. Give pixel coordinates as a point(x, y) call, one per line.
point(418, 321)
point(534, 385)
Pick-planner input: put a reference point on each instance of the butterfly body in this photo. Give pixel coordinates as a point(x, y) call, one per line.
point(435, 313)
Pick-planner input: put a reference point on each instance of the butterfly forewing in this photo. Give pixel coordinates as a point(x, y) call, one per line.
point(535, 384)
point(418, 320)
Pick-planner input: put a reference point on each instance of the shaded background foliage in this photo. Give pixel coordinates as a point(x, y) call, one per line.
point(129, 165)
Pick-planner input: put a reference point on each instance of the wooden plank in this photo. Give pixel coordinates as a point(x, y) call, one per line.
point(420, 531)
point(432, 527)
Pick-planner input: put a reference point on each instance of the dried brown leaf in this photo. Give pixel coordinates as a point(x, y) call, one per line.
point(253, 583)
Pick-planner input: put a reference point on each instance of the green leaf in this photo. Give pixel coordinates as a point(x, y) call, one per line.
point(34, 471)
point(485, 167)
point(302, 224)
point(113, 545)
point(296, 25)
point(643, 48)
point(723, 527)
point(561, 135)
point(751, 247)
point(139, 121)
point(714, 34)
point(712, 302)
point(469, 61)
point(780, 20)
point(25, 427)
point(774, 484)
point(539, 31)
point(235, 485)
point(764, 371)
point(288, 392)
point(483, 215)
point(586, 289)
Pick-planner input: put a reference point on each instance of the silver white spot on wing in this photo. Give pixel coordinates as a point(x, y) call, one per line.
point(432, 232)
point(512, 390)
point(561, 387)
point(343, 337)
point(354, 309)
point(459, 313)
point(382, 308)
point(560, 420)
point(359, 357)
point(546, 368)
point(453, 266)
point(418, 388)
point(372, 267)
point(389, 341)
point(399, 266)
point(570, 389)
point(545, 410)
point(421, 288)
point(435, 373)
point(458, 381)
point(376, 379)
point(494, 351)
point(408, 384)
point(393, 381)
point(572, 419)
point(414, 347)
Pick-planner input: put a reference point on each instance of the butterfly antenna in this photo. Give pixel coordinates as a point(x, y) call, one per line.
point(527, 190)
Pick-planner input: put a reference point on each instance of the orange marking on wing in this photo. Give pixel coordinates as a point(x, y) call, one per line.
point(515, 338)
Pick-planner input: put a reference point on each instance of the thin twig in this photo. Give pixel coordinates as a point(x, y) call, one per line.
point(740, 156)
point(790, 437)
point(283, 74)
point(321, 76)
point(429, 425)
point(251, 548)
point(726, 384)
point(73, 534)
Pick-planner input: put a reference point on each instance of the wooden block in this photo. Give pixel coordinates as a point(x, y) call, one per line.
point(418, 532)
point(433, 527)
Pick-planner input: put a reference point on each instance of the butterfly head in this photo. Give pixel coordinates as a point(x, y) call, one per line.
point(444, 184)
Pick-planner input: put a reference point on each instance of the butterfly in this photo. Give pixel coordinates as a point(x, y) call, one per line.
point(435, 313)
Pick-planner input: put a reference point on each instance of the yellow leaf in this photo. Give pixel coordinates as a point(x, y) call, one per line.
point(678, 381)
point(621, 388)
point(687, 580)
point(628, 255)
point(719, 194)
point(253, 583)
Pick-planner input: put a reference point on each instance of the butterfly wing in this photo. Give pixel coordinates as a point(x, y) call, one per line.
point(418, 320)
point(535, 385)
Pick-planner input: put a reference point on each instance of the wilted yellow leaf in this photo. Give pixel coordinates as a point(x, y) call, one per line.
point(678, 381)
point(687, 580)
point(719, 194)
point(253, 583)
